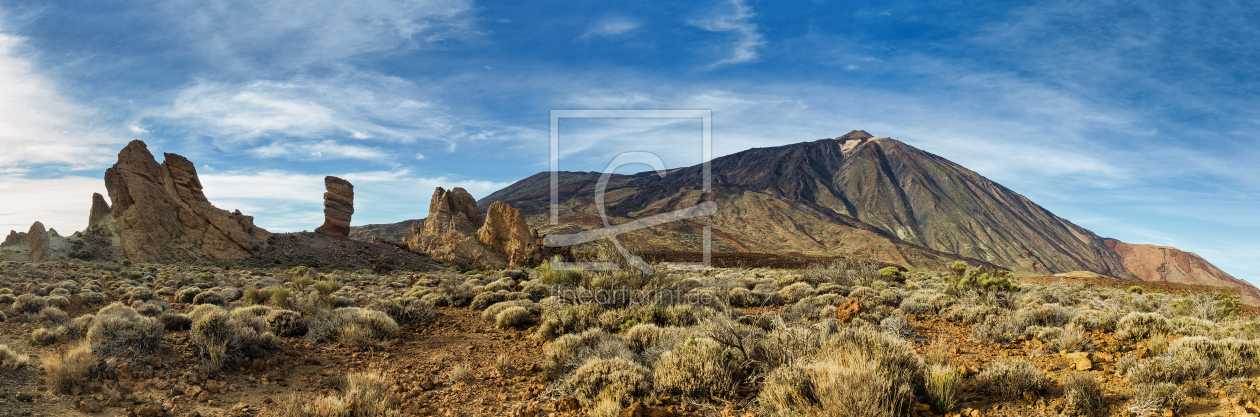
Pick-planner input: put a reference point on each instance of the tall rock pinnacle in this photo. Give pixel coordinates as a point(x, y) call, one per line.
point(338, 207)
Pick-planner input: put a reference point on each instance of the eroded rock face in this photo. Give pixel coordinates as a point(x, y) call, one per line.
point(506, 232)
point(37, 237)
point(338, 207)
point(100, 211)
point(160, 209)
point(457, 232)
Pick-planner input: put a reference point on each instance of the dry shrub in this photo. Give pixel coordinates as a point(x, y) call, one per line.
point(366, 394)
point(367, 329)
point(1137, 326)
point(699, 367)
point(514, 318)
point(406, 309)
point(230, 339)
point(1006, 381)
point(491, 313)
point(174, 322)
point(943, 384)
point(73, 367)
point(571, 318)
point(614, 378)
point(460, 373)
point(1084, 395)
point(117, 328)
point(796, 292)
point(1203, 357)
point(28, 303)
point(54, 315)
point(286, 323)
point(844, 372)
point(572, 350)
point(1155, 399)
point(46, 336)
point(10, 360)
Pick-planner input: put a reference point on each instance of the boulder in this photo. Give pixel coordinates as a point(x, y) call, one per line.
point(160, 211)
point(338, 207)
point(38, 240)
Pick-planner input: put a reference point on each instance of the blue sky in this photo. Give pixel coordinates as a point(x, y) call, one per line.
point(1133, 119)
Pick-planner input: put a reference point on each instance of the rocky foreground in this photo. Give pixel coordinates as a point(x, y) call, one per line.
point(843, 338)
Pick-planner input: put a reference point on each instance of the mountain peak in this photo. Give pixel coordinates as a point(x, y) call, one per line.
point(856, 134)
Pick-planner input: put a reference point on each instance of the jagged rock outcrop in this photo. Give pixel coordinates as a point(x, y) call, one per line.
point(160, 211)
point(338, 207)
point(100, 211)
point(37, 238)
point(1162, 263)
point(457, 232)
point(15, 238)
point(506, 232)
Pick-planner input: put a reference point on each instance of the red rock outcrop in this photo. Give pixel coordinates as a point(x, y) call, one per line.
point(338, 207)
point(37, 237)
point(1162, 263)
point(160, 209)
point(457, 232)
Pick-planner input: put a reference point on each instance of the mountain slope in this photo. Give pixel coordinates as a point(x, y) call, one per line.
point(855, 193)
point(1162, 263)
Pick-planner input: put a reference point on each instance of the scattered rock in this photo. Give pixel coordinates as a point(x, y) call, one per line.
point(849, 311)
point(1079, 360)
point(89, 406)
point(338, 207)
point(150, 410)
point(566, 404)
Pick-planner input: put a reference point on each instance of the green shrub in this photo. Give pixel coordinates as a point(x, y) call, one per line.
point(227, 340)
point(962, 278)
point(892, 274)
point(943, 384)
point(548, 274)
point(327, 287)
point(253, 295)
point(280, 296)
point(205, 276)
point(514, 318)
point(1137, 290)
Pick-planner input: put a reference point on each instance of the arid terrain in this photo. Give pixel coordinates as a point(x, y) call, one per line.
point(169, 339)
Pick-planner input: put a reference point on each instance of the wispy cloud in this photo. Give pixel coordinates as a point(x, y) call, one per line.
point(736, 20)
point(610, 26)
point(40, 125)
point(276, 36)
point(297, 117)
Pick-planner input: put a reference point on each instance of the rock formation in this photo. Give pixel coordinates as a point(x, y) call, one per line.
point(37, 238)
point(338, 207)
point(100, 211)
point(456, 232)
point(506, 232)
point(15, 238)
point(161, 211)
